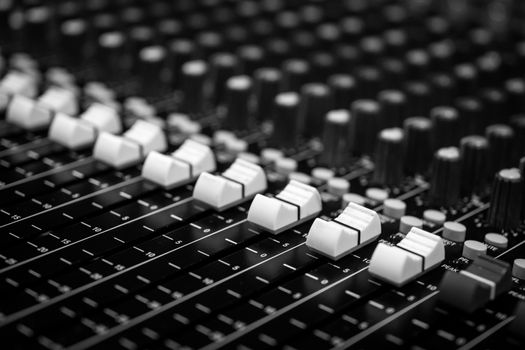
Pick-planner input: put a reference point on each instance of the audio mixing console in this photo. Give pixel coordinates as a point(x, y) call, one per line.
point(298, 174)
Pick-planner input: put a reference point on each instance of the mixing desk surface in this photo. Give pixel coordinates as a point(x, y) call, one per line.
point(299, 174)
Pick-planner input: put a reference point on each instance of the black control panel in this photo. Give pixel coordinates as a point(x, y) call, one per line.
point(318, 174)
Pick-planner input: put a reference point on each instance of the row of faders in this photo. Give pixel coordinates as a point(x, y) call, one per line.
point(253, 174)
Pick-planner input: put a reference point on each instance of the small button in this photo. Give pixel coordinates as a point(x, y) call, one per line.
point(270, 155)
point(473, 249)
point(434, 216)
point(376, 194)
point(407, 222)
point(338, 186)
point(98, 92)
point(180, 122)
point(454, 231)
point(221, 137)
point(394, 208)
point(201, 138)
point(249, 157)
point(518, 269)
point(353, 197)
point(497, 240)
point(323, 174)
point(301, 177)
point(285, 166)
point(236, 145)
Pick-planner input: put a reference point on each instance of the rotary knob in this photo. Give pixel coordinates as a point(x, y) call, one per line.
point(388, 159)
point(506, 201)
point(446, 177)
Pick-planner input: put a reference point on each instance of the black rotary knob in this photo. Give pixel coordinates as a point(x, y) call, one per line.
point(343, 87)
point(195, 90)
point(471, 111)
point(37, 29)
point(209, 43)
point(295, 74)
point(251, 57)
point(111, 53)
point(466, 76)
point(443, 87)
point(286, 120)
point(74, 40)
point(168, 29)
point(266, 86)
point(316, 101)
point(323, 65)
point(505, 203)
point(395, 41)
point(180, 51)
point(370, 81)
point(418, 144)
point(337, 138)
point(474, 153)
point(139, 37)
point(446, 126)
point(441, 54)
point(152, 70)
point(418, 63)
point(446, 177)
point(277, 50)
point(103, 23)
point(501, 141)
point(238, 93)
point(367, 114)
point(223, 67)
point(6, 11)
point(394, 72)
point(495, 106)
point(522, 172)
point(518, 125)
point(393, 107)
point(419, 96)
point(489, 67)
point(388, 160)
point(515, 90)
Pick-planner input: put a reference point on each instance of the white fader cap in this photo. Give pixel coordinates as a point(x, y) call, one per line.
point(35, 114)
point(183, 165)
point(353, 228)
point(241, 181)
point(75, 133)
point(295, 204)
point(18, 83)
point(132, 146)
point(418, 252)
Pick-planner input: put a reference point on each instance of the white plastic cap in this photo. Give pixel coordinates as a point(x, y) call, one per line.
point(296, 203)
